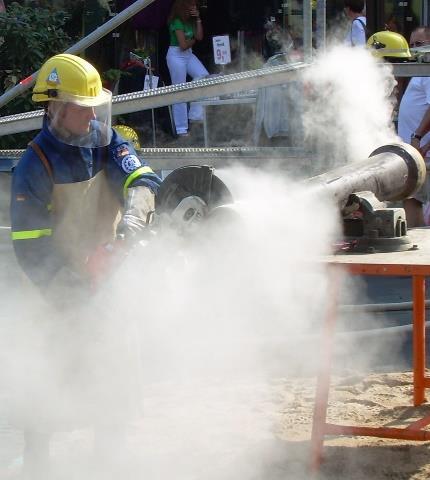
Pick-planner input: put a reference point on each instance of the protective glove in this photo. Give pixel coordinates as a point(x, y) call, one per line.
point(138, 210)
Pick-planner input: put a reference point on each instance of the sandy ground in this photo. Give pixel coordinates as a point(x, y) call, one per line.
point(255, 430)
point(250, 428)
point(366, 400)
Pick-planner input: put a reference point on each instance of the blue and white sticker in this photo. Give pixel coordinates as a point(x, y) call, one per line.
point(130, 163)
point(53, 77)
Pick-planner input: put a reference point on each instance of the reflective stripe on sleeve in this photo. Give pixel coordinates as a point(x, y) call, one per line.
point(29, 234)
point(136, 174)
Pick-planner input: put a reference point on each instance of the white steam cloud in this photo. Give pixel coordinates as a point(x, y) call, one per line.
point(221, 314)
point(349, 107)
point(200, 327)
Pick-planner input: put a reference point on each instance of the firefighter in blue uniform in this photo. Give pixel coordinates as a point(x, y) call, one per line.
point(76, 177)
point(78, 186)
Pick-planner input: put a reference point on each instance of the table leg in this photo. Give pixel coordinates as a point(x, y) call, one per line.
point(419, 332)
point(323, 377)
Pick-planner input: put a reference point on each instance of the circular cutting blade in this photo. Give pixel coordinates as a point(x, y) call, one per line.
point(192, 181)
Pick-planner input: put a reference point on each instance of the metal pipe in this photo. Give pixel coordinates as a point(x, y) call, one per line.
point(294, 161)
point(380, 307)
point(411, 69)
point(392, 172)
point(160, 97)
point(78, 47)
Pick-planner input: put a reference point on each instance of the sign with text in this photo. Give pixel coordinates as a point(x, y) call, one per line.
point(222, 53)
point(150, 82)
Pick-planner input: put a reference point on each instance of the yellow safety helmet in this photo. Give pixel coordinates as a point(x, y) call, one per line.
point(127, 133)
point(69, 78)
point(79, 108)
point(388, 44)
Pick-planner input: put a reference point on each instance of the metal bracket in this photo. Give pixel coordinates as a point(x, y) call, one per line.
point(374, 227)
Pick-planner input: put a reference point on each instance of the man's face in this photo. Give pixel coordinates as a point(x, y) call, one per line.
point(74, 125)
point(76, 119)
point(418, 39)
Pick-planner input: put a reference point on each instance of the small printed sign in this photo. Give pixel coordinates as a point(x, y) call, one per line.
point(222, 53)
point(147, 83)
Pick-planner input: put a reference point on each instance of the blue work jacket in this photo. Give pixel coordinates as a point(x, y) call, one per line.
point(32, 219)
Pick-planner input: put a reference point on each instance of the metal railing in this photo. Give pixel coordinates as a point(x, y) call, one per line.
point(159, 97)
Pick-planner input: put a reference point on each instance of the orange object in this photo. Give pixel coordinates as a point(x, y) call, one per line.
point(103, 262)
point(414, 264)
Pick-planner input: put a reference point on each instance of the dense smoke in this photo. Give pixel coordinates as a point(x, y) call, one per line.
point(201, 324)
point(227, 306)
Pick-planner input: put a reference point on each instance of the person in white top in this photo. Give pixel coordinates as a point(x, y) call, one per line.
point(414, 127)
point(354, 10)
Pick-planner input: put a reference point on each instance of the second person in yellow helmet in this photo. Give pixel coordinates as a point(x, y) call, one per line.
point(79, 185)
point(391, 46)
point(128, 134)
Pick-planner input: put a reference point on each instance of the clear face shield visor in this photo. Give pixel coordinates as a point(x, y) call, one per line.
point(81, 121)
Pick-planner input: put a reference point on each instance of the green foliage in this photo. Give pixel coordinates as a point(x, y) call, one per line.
point(30, 36)
point(142, 52)
point(112, 75)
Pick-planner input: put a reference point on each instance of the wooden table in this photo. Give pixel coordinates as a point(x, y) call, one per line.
point(412, 263)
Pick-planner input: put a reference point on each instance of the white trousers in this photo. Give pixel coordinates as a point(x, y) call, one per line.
point(180, 63)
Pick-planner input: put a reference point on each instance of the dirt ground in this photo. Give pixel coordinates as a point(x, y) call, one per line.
point(378, 399)
point(256, 430)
